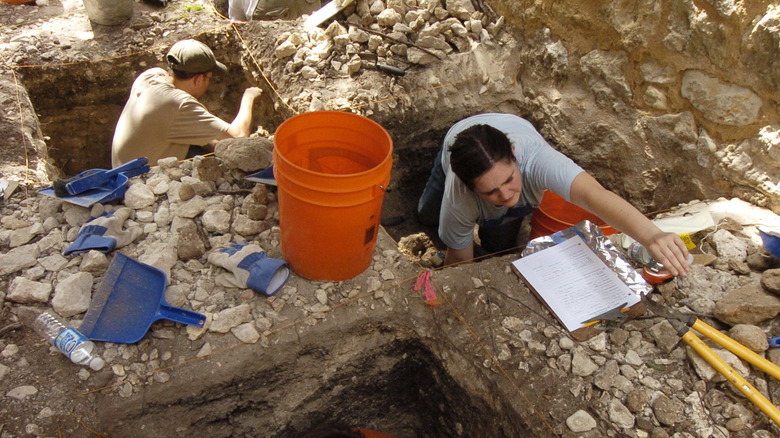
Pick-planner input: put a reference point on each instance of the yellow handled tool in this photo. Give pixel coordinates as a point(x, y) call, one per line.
point(732, 376)
point(683, 323)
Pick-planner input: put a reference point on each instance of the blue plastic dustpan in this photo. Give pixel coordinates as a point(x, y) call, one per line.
point(128, 300)
point(115, 188)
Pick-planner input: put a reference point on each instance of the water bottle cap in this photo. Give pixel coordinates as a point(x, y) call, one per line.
point(97, 363)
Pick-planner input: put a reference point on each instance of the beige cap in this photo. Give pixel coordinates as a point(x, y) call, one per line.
point(191, 56)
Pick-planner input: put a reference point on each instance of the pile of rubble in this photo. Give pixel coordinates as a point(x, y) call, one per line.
point(407, 32)
point(177, 212)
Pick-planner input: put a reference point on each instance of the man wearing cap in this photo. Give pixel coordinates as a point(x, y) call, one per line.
point(163, 117)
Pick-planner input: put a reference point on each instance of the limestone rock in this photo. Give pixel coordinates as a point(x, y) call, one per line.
point(668, 411)
point(657, 74)
point(139, 196)
point(207, 168)
point(729, 247)
point(637, 400)
point(25, 291)
point(749, 304)
point(190, 244)
point(761, 261)
point(770, 280)
point(285, 50)
point(217, 221)
point(417, 56)
point(192, 208)
point(22, 392)
point(705, 370)
point(761, 47)
point(19, 258)
point(580, 421)
point(719, 102)
point(248, 227)
point(176, 295)
point(54, 262)
point(388, 18)
point(635, 24)
point(582, 364)
point(73, 294)
point(605, 76)
point(675, 131)
point(247, 154)
point(225, 320)
point(750, 336)
point(620, 415)
point(246, 333)
point(665, 336)
point(93, 262)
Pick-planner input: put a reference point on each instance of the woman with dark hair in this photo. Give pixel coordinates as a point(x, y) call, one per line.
point(492, 171)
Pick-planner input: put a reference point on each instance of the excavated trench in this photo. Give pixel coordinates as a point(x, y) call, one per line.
point(408, 370)
point(79, 117)
point(398, 385)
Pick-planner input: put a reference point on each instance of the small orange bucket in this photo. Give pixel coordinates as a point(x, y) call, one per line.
point(331, 169)
point(556, 214)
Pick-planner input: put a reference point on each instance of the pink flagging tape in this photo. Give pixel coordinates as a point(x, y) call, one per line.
point(424, 281)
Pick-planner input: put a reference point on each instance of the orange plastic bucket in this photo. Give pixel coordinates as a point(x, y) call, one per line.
point(556, 214)
point(331, 169)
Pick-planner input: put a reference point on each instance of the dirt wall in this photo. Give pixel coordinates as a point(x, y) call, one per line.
point(664, 100)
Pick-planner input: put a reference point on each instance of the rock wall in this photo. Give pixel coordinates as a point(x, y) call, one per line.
point(28, 159)
point(665, 101)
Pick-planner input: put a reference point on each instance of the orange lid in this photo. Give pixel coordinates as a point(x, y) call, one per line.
point(659, 277)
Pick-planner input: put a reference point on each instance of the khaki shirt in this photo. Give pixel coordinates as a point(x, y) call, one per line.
point(161, 121)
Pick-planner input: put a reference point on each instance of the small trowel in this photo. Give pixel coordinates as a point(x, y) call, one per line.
point(371, 61)
point(395, 71)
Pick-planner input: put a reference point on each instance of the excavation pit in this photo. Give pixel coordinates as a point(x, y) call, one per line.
point(489, 360)
point(396, 385)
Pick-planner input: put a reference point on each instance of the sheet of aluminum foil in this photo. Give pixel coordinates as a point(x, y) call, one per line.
point(604, 248)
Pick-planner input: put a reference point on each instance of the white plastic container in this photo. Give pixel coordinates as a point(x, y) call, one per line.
point(72, 343)
point(639, 253)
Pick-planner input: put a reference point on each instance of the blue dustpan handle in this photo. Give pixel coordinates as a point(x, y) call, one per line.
point(133, 168)
point(130, 166)
point(184, 316)
point(136, 171)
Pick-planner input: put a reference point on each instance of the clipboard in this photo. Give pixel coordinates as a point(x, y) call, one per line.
point(584, 333)
point(577, 285)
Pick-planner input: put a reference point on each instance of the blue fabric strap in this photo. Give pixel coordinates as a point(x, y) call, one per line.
point(85, 241)
point(262, 273)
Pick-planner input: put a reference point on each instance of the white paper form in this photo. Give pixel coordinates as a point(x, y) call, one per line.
point(574, 282)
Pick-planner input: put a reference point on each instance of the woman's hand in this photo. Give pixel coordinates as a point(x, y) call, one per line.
point(669, 250)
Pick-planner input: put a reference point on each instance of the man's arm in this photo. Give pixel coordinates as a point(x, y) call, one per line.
point(241, 125)
point(666, 248)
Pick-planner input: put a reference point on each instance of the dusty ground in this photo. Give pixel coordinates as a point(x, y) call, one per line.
point(373, 353)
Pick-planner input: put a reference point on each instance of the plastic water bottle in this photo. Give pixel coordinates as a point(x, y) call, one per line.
point(639, 253)
point(77, 347)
